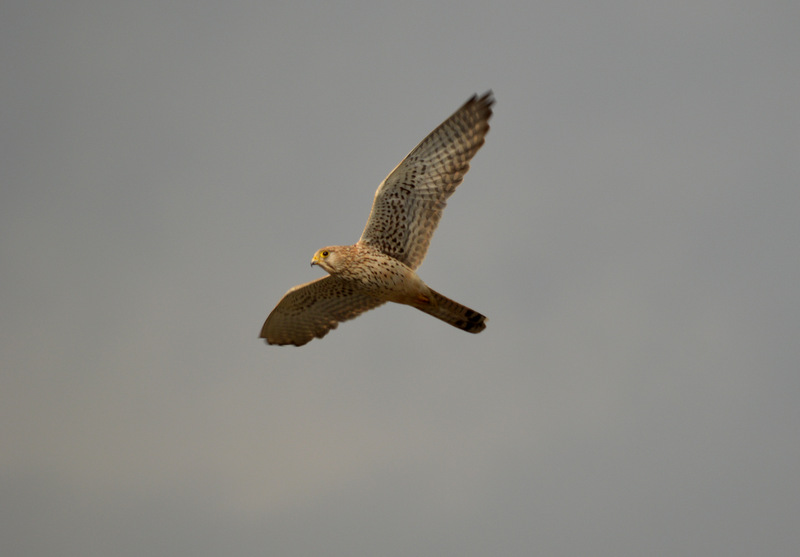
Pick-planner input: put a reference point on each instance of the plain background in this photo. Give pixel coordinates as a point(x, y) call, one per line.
point(630, 228)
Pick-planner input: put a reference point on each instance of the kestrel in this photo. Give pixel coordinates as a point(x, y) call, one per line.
point(380, 267)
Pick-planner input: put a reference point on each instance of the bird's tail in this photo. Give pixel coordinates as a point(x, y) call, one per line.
point(453, 313)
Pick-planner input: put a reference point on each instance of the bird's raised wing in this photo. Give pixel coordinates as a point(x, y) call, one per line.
point(312, 309)
point(409, 202)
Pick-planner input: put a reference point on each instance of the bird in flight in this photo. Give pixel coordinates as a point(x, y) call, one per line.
point(380, 267)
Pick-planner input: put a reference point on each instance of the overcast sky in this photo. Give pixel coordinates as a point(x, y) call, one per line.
point(631, 228)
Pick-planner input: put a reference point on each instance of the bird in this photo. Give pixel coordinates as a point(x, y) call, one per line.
point(381, 266)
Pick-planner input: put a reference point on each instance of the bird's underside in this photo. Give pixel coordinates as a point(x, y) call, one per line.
point(380, 267)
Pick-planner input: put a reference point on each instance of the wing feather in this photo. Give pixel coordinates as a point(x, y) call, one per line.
point(312, 309)
point(409, 202)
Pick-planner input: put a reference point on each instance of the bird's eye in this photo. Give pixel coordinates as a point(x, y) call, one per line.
point(324, 253)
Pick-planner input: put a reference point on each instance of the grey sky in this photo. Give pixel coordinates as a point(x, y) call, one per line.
point(630, 228)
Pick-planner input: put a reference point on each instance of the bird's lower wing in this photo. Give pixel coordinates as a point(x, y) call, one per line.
point(312, 309)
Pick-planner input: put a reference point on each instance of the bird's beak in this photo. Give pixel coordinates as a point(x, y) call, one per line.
point(314, 260)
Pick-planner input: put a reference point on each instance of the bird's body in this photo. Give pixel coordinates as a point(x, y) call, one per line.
point(373, 272)
point(380, 267)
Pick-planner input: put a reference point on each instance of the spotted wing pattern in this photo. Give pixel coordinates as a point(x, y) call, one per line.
point(312, 309)
point(409, 202)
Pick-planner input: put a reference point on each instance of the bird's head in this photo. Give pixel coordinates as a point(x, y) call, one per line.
point(327, 258)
